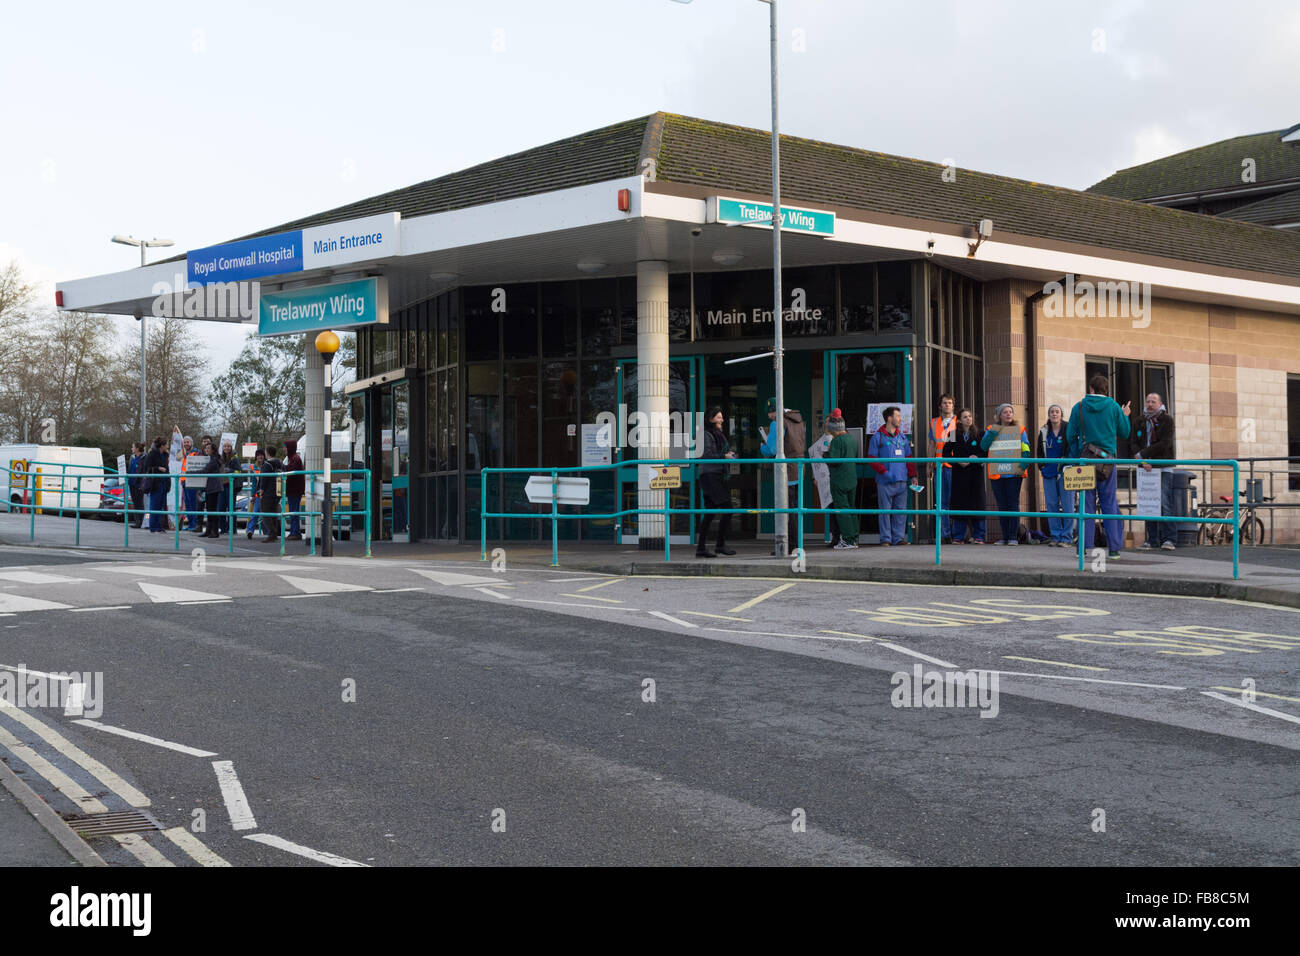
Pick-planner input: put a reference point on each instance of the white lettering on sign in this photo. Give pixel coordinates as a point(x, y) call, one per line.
point(759, 316)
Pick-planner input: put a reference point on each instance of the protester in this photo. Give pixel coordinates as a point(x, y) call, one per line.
point(942, 427)
point(255, 494)
point(294, 487)
point(1096, 425)
point(1153, 434)
point(822, 478)
point(844, 479)
point(889, 442)
point(270, 507)
point(713, 486)
point(1052, 443)
point(211, 489)
point(135, 483)
point(967, 478)
point(229, 487)
point(190, 499)
point(155, 484)
point(795, 446)
point(1006, 439)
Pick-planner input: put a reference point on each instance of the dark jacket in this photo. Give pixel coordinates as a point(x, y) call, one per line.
point(294, 484)
point(213, 470)
point(714, 447)
point(796, 443)
point(230, 464)
point(155, 463)
point(267, 482)
point(133, 468)
point(1161, 445)
point(1060, 448)
point(967, 476)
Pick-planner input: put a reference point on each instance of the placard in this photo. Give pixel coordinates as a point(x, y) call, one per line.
point(227, 437)
point(595, 444)
point(876, 409)
point(1148, 493)
point(1079, 477)
point(249, 449)
point(121, 464)
point(195, 464)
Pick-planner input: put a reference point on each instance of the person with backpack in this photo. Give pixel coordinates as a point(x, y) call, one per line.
point(890, 443)
point(1096, 425)
point(294, 488)
point(1006, 439)
point(967, 477)
point(155, 484)
point(1052, 443)
point(270, 486)
point(843, 478)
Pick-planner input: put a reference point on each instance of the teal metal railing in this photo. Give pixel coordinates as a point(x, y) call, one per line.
point(39, 490)
point(937, 512)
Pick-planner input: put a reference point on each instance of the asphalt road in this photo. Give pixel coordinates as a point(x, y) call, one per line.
point(411, 714)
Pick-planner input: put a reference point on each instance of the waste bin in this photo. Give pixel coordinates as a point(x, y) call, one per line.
point(1184, 505)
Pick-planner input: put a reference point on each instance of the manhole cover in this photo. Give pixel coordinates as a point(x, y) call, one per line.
point(106, 824)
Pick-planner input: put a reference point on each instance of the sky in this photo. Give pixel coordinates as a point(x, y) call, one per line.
point(202, 122)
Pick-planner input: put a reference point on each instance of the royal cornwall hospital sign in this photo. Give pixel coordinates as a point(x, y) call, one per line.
point(747, 212)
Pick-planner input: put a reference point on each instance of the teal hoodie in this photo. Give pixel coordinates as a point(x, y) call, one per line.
point(1098, 420)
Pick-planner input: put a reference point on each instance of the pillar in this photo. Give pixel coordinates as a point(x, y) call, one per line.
point(652, 389)
point(313, 449)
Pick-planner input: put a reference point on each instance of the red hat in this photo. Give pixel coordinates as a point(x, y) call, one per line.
point(836, 413)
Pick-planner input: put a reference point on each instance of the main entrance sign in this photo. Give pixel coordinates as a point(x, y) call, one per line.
point(339, 243)
point(336, 306)
point(747, 212)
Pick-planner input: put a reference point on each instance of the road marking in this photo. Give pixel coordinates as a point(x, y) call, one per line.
point(453, 577)
point(262, 566)
point(318, 855)
point(107, 607)
point(762, 597)
point(1257, 693)
point(130, 794)
point(232, 791)
point(1255, 707)
point(912, 653)
point(291, 597)
point(720, 617)
point(504, 597)
point(673, 620)
point(146, 739)
point(36, 577)
point(592, 597)
point(395, 590)
point(153, 571)
point(57, 778)
point(313, 586)
point(865, 637)
point(803, 637)
point(1086, 680)
point(162, 594)
point(593, 607)
point(197, 850)
point(142, 850)
point(15, 603)
point(603, 584)
point(20, 669)
point(1037, 660)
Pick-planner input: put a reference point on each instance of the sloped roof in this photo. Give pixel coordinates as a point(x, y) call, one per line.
point(1206, 168)
point(1283, 208)
point(697, 152)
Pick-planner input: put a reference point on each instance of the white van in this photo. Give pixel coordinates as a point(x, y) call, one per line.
point(46, 476)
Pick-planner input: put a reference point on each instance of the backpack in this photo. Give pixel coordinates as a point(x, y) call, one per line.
point(1093, 451)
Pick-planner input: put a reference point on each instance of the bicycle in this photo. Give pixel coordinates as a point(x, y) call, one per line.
point(1251, 529)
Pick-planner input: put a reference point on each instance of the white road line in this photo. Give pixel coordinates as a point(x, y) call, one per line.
point(762, 597)
point(396, 590)
point(720, 617)
point(494, 594)
point(318, 855)
point(1039, 660)
point(152, 571)
point(57, 778)
point(146, 739)
point(15, 603)
point(802, 637)
point(109, 607)
point(593, 607)
point(261, 566)
point(292, 597)
point(313, 586)
point(141, 850)
point(196, 849)
point(1258, 693)
point(1255, 707)
point(20, 669)
point(162, 594)
point(670, 619)
point(591, 597)
point(130, 794)
point(232, 791)
point(36, 577)
point(192, 603)
point(918, 654)
point(1086, 680)
point(452, 577)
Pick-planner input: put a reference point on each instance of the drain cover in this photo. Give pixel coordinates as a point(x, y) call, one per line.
point(106, 824)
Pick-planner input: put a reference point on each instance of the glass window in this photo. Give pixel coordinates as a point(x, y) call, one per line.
point(433, 408)
point(862, 379)
point(483, 437)
point(895, 289)
point(450, 301)
point(1293, 430)
point(814, 289)
point(384, 353)
point(559, 411)
point(858, 298)
point(519, 321)
point(519, 418)
point(481, 325)
point(441, 333)
point(599, 390)
point(560, 319)
point(599, 313)
point(445, 416)
point(627, 309)
point(450, 402)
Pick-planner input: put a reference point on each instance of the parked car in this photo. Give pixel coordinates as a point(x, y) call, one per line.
point(111, 497)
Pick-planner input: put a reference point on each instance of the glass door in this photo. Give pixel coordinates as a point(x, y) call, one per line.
point(389, 448)
point(736, 393)
point(683, 387)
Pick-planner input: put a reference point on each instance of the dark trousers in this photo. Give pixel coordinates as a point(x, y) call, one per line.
point(137, 505)
point(270, 516)
point(1006, 491)
point(158, 505)
point(211, 501)
point(713, 491)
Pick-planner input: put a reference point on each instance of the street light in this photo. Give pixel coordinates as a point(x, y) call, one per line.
point(327, 343)
point(780, 499)
point(143, 244)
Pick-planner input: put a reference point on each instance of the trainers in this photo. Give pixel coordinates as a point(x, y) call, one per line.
point(723, 549)
point(1146, 546)
point(842, 546)
point(1169, 546)
point(884, 544)
point(853, 546)
point(1012, 543)
point(1113, 555)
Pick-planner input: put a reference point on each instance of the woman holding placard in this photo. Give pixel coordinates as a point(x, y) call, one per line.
point(1006, 439)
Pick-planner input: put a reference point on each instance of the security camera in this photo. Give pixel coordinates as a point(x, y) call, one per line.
point(696, 231)
point(929, 248)
point(986, 228)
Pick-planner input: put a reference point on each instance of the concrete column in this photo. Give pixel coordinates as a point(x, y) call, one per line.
point(313, 448)
point(652, 387)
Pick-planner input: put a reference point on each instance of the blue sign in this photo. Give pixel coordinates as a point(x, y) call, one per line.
point(246, 259)
point(336, 306)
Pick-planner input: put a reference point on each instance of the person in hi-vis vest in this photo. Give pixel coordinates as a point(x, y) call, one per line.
point(1006, 439)
point(942, 428)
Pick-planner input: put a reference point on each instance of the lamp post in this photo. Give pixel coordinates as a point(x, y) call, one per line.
point(143, 244)
point(780, 499)
point(327, 343)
